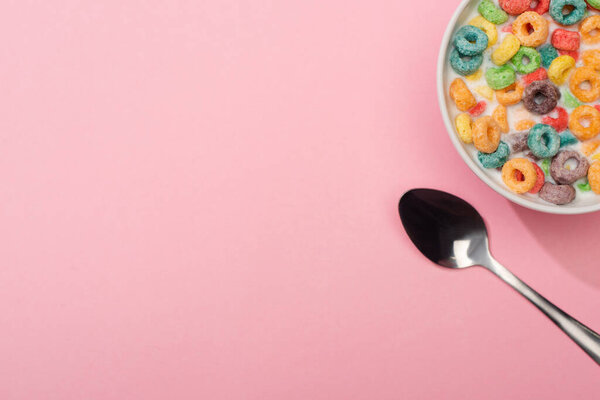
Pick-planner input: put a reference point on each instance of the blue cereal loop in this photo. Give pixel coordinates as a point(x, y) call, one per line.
point(495, 159)
point(567, 138)
point(464, 65)
point(543, 141)
point(576, 15)
point(470, 40)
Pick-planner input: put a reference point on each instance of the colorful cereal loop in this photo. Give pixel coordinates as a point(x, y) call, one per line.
point(560, 68)
point(539, 29)
point(589, 75)
point(594, 177)
point(500, 77)
point(462, 96)
point(485, 91)
point(486, 26)
point(506, 50)
point(501, 118)
point(527, 171)
point(463, 127)
point(591, 115)
point(576, 14)
point(591, 58)
point(495, 159)
point(510, 95)
point(524, 125)
point(486, 134)
point(489, 11)
point(589, 30)
point(535, 60)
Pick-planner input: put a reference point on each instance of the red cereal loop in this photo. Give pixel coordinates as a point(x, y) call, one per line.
point(515, 7)
point(478, 109)
point(559, 123)
point(539, 74)
point(542, 6)
point(597, 107)
point(563, 39)
point(574, 54)
point(507, 28)
point(541, 179)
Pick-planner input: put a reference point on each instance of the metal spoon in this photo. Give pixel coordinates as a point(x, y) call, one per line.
point(452, 234)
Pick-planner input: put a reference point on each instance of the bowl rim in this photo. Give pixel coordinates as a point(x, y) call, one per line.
point(552, 209)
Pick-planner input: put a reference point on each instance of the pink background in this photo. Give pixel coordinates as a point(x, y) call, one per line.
point(198, 201)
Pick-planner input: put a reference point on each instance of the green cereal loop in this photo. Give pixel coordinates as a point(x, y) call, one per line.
point(584, 187)
point(548, 54)
point(495, 159)
point(570, 100)
point(534, 57)
point(489, 11)
point(500, 77)
point(594, 3)
point(546, 166)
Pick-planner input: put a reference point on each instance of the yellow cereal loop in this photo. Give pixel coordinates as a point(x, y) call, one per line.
point(499, 115)
point(485, 91)
point(486, 26)
point(596, 157)
point(591, 58)
point(560, 68)
point(594, 177)
point(475, 76)
point(507, 49)
point(524, 125)
point(463, 128)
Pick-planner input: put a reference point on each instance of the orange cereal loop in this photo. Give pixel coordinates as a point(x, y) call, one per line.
point(501, 118)
point(486, 134)
point(589, 29)
point(524, 125)
point(594, 177)
point(589, 75)
point(591, 58)
point(534, 21)
point(519, 175)
point(588, 148)
point(584, 122)
point(510, 95)
point(462, 96)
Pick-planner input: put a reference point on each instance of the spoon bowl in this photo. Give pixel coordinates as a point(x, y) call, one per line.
point(445, 228)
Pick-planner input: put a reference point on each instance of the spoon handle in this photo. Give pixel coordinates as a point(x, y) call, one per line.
point(586, 338)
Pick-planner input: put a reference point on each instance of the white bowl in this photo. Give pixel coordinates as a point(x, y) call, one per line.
point(460, 18)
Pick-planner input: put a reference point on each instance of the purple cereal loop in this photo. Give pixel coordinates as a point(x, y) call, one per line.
point(518, 141)
point(565, 176)
point(547, 90)
point(557, 194)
